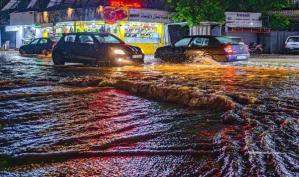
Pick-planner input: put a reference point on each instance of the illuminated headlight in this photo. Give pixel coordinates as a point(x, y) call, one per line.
point(120, 60)
point(119, 52)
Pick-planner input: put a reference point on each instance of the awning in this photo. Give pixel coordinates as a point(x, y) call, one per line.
point(10, 5)
point(32, 3)
point(54, 3)
point(69, 2)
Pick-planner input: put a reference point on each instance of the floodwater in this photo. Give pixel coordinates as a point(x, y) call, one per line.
point(65, 121)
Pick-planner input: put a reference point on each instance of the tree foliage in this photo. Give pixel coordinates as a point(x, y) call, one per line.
point(195, 11)
point(256, 5)
point(278, 22)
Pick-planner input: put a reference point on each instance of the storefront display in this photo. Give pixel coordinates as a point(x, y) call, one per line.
point(47, 32)
point(96, 26)
point(63, 27)
point(140, 27)
point(140, 32)
point(29, 33)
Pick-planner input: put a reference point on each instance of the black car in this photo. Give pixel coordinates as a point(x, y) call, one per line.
point(95, 49)
point(219, 48)
point(38, 46)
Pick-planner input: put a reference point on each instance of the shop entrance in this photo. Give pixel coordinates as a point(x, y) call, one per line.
point(9, 39)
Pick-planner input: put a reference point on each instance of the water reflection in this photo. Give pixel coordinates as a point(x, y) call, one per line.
point(111, 132)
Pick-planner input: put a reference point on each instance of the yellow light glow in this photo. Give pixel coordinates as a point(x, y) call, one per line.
point(69, 12)
point(119, 52)
point(45, 17)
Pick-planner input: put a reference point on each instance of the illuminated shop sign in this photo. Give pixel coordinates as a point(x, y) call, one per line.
point(114, 14)
point(147, 15)
point(125, 3)
point(11, 28)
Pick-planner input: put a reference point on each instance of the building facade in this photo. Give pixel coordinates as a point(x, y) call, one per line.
point(127, 19)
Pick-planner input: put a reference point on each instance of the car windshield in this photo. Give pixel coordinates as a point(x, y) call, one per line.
point(226, 40)
point(183, 42)
point(107, 39)
point(293, 39)
point(35, 41)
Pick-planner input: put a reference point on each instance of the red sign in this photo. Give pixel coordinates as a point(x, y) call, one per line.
point(126, 3)
point(114, 14)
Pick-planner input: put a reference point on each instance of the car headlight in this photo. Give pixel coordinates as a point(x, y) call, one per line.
point(119, 52)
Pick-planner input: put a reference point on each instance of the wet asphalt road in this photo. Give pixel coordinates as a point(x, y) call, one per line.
point(48, 127)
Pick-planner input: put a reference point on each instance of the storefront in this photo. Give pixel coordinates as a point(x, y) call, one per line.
point(146, 35)
point(139, 27)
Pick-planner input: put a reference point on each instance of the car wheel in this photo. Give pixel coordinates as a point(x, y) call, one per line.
point(46, 52)
point(109, 63)
point(58, 59)
point(22, 52)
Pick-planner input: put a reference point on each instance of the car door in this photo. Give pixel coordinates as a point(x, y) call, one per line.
point(68, 47)
point(199, 47)
point(42, 45)
point(179, 49)
point(86, 46)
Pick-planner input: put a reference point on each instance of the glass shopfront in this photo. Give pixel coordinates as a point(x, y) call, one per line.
point(29, 33)
point(96, 26)
point(146, 35)
point(142, 32)
point(63, 27)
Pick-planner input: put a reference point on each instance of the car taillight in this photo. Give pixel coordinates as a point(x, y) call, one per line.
point(228, 49)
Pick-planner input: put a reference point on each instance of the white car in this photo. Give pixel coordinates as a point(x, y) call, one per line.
point(292, 44)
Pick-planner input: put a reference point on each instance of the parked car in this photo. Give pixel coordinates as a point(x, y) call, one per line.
point(38, 46)
point(95, 49)
point(219, 48)
point(292, 44)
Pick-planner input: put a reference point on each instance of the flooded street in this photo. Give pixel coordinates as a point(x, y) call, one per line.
point(152, 120)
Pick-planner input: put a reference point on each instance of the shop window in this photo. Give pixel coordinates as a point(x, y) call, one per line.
point(86, 39)
point(138, 32)
point(70, 38)
point(96, 26)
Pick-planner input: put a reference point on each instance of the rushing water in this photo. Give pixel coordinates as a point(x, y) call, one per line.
point(55, 121)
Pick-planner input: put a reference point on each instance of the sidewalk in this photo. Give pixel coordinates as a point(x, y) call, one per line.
point(274, 56)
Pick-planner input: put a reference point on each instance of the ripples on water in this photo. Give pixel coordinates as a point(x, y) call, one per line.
point(114, 133)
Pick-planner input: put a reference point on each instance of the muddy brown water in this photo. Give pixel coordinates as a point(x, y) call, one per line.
point(56, 121)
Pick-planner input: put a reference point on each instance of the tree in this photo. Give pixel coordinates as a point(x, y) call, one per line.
point(268, 8)
point(195, 11)
point(257, 5)
point(278, 22)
